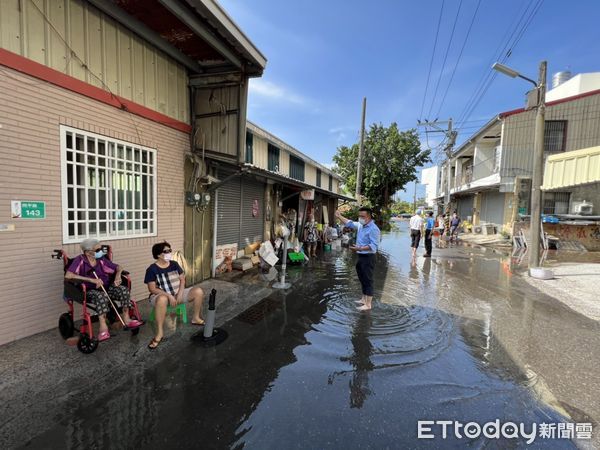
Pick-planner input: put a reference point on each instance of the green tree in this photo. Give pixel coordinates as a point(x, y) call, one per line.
point(401, 207)
point(390, 161)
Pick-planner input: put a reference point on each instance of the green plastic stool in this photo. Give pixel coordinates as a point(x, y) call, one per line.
point(180, 310)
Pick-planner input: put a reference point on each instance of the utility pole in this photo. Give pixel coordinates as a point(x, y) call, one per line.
point(361, 151)
point(415, 199)
point(538, 169)
point(451, 138)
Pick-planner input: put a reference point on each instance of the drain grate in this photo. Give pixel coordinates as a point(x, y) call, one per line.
point(258, 312)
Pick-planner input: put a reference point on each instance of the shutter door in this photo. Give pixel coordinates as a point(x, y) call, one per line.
point(465, 207)
point(252, 227)
point(492, 208)
point(228, 210)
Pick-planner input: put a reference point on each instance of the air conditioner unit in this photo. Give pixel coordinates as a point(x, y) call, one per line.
point(583, 208)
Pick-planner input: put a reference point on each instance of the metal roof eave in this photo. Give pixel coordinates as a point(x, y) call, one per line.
point(285, 179)
point(476, 135)
point(278, 142)
point(222, 21)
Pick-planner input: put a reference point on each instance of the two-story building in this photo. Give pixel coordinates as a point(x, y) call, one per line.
point(274, 177)
point(490, 173)
point(108, 112)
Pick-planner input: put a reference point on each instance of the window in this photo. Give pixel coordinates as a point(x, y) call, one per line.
point(555, 136)
point(108, 187)
point(296, 168)
point(249, 144)
point(555, 202)
point(318, 177)
point(330, 183)
point(273, 155)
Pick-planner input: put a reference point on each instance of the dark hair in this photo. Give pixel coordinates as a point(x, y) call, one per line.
point(157, 249)
point(430, 213)
point(367, 210)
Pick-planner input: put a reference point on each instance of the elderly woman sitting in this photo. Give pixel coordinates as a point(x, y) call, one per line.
point(83, 268)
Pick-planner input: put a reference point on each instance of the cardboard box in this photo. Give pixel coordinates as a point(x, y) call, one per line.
point(255, 259)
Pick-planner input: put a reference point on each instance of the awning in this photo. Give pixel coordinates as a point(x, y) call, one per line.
point(571, 169)
point(293, 182)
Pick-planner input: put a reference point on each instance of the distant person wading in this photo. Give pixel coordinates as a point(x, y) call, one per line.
point(367, 242)
point(416, 226)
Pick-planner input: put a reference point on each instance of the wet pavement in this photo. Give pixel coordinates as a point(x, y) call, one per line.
point(458, 336)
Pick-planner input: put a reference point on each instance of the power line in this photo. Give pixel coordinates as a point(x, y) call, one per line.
point(487, 71)
point(437, 32)
point(437, 85)
point(511, 48)
point(459, 57)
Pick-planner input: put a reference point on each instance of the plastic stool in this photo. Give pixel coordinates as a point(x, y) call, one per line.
point(180, 310)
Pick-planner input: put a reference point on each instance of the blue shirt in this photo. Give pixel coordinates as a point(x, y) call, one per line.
point(368, 234)
point(430, 223)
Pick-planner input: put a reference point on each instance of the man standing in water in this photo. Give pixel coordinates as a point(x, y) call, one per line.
point(367, 242)
point(416, 226)
point(429, 226)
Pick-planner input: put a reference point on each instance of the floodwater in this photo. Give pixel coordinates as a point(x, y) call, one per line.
point(453, 337)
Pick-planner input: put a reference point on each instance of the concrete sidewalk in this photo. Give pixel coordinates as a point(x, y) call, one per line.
point(574, 284)
point(42, 368)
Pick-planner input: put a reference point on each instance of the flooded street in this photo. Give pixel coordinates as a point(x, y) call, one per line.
point(454, 337)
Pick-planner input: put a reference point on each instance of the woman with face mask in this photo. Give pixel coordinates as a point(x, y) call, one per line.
point(166, 283)
point(83, 268)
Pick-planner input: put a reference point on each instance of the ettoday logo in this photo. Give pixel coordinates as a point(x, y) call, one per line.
point(430, 429)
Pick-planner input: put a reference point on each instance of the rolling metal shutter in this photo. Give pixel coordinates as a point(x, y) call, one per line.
point(492, 208)
point(252, 229)
point(228, 210)
point(465, 207)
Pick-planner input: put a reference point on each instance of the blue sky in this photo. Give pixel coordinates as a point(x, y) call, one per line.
point(324, 56)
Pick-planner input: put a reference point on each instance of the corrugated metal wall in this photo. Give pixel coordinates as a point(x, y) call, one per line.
point(583, 130)
point(252, 228)
point(116, 59)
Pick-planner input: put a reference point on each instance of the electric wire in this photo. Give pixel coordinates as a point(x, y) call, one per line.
point(511, 47)
point(437, 85)
point(459, 57)
point(437, 32)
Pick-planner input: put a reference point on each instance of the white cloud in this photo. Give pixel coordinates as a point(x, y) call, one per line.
point(270, 90)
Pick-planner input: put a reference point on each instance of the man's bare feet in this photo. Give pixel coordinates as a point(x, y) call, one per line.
point(364, 308)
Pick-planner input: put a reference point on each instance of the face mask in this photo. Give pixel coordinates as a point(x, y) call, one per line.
point(362, 221)
point(168, 256)
point(99, 254)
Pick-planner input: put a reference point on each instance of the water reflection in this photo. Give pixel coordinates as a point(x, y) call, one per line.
point(361, 361)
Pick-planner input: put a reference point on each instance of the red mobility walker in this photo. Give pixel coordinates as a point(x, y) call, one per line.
point(76, 291)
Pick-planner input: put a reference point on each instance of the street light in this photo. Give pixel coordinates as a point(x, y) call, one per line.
point(538, 158)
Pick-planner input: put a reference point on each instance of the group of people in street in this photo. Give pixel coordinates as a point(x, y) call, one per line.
point(165, 279)
point(426, 226)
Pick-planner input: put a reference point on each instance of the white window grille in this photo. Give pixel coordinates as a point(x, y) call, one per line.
point(108, 187)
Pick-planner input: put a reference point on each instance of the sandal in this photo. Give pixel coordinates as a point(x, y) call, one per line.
point(154, 343)
point(103, 336)
point(199, 324)
point(134, 323)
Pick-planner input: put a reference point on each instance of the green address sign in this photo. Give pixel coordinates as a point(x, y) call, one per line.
point(29, 210)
